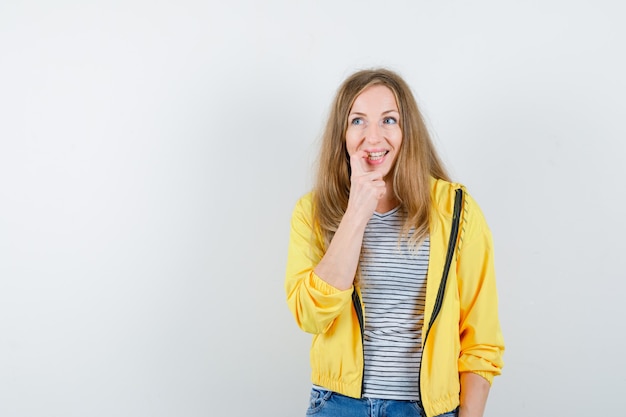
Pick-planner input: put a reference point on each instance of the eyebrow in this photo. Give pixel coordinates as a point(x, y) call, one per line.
point(363, 114)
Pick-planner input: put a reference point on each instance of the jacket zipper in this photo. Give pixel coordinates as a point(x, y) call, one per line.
point(356, 300)
point(458, 202)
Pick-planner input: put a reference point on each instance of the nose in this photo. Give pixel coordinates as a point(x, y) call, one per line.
point(373, 133)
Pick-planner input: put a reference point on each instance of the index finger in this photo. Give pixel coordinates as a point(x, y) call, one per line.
point(357, 162)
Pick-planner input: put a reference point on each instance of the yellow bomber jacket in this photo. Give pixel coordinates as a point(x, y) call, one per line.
point(465, 336)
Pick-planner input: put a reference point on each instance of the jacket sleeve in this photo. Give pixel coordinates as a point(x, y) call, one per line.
point(482, 345)
point(313, 302)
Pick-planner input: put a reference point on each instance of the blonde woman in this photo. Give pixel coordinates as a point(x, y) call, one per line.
point(390, 267)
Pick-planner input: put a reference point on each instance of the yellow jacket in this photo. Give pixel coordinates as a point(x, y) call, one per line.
point(465, 336)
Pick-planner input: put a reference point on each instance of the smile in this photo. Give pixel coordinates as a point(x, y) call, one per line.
point(374, 156)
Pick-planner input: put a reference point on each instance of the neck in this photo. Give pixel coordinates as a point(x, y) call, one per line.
point(387, 202)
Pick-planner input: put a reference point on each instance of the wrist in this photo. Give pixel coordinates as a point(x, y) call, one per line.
point(355, 218)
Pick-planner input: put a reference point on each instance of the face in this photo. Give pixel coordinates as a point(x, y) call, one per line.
point(373, 127)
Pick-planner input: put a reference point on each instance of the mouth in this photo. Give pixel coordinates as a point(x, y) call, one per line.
point(375, 156)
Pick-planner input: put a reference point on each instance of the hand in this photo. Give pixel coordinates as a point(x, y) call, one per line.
point(339, 264)
point(366, 187)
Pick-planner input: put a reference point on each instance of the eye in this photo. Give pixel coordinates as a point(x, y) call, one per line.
point(357, 121)
point(390, 121)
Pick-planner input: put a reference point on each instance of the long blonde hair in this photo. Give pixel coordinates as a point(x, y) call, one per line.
point(417, 159)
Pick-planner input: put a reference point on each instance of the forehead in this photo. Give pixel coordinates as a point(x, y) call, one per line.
point(375, 98)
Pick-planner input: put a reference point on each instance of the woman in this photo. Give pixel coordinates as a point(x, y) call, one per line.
point(390, 267)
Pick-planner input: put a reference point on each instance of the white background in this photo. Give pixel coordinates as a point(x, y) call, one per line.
point(151, 153)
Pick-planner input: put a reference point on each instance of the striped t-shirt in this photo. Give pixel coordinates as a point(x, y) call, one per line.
point(393, 287)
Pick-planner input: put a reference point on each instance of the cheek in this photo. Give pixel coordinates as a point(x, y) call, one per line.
point(351, 142)
point(398, 139)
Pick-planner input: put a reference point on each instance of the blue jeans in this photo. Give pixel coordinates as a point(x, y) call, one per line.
point(325, 403)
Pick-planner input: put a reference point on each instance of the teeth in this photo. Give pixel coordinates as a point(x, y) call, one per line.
point(376, 155)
